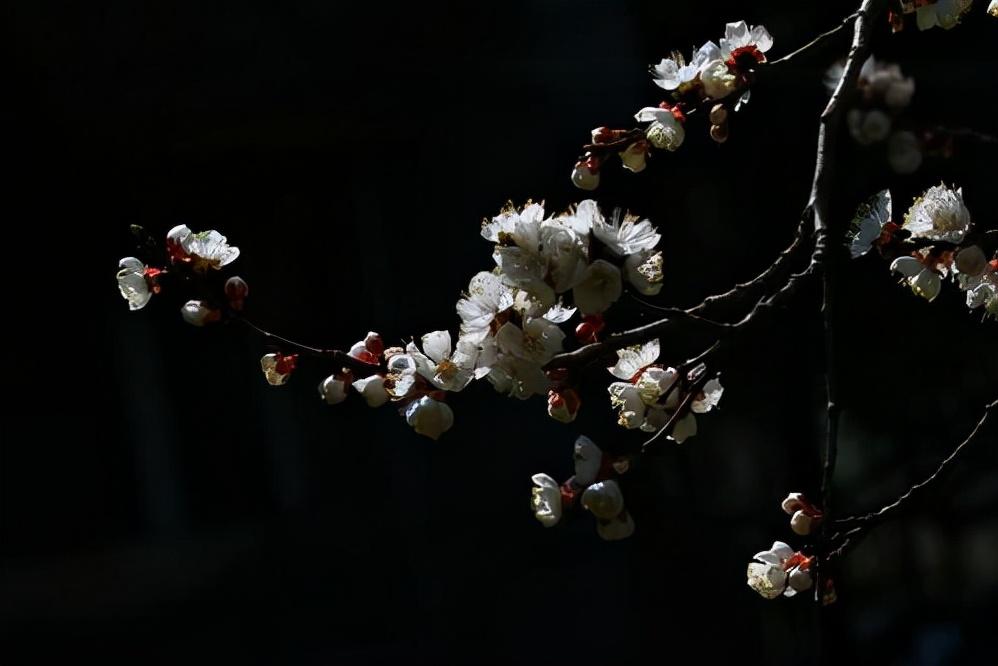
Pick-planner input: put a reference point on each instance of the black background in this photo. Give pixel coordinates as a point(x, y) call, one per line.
point(161, 504)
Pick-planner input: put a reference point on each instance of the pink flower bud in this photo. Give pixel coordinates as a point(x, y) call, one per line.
point(236, 290)
point(801, 523)
point(792, 503)
point(197, 313)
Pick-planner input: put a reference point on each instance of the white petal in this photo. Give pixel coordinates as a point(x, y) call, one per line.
point(437, 345)
point(588, 458)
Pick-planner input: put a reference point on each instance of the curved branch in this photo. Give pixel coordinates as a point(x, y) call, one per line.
point(817, 41)
point(338, 357)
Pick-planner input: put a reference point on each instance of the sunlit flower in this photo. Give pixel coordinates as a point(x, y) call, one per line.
point(780, 571)
point(333, 389)
point(538, 341)
point(599, 288)
point(644, 272)
point(198, 313)
point(739, 36)
point(372, 389)
point(924, 281)
point(402, 376)
point(565, 252)
point(718, 80)
point(939, 215)
point(626, 234)
point(632, 360)
point(654, 383)
point(518, 377)
point(133, 284)
point(545, 500)
point(208, 249)
point(672, 73)
point(487, 297)
point(516, 227)
point(993, 8)
point(448, 369)
point(709, 396)
point(278, 367)
point(665, 131)
point(625, 397)
point(429, 417)
point(868, 225)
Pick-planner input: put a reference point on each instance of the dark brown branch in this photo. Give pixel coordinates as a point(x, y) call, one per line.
point(817, 41)
point(338, 357)
point(920, 489)
point(681, 410)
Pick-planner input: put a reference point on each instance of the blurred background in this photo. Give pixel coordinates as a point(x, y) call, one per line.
point(162, 504)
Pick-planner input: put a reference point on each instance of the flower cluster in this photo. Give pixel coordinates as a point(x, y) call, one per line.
point(883, 92)
point(648, 395)
point(592, 486)
point(714, 75)
point(940, 223)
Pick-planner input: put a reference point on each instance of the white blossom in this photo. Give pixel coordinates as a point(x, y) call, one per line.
point(626, 398)
point(487, 297)
point(332, 389)
point(599, 288)
point(588, 459)
point(632, 360)
point(429, 417)
point(447, 368)
point(779, 571)
point(665, 131)
point(939, 214)
point(518, 377)
point(565, 252)
point(272, 370)
point(738, 35)
point(993, 8)
point(401, 377)
point(712, 392)
point(132, 283)
point(605, 501)
point(924, 281)
point(372, 389)
point(537, 342)
point(546, 500)
point(869, 221)
point(209, 249)
point(672, 73)
point(644, 272)
point(626, 234)
point(654, 383)
point(718, 80)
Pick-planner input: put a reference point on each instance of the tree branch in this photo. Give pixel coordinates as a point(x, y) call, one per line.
point(338, 357)
point(817, 41)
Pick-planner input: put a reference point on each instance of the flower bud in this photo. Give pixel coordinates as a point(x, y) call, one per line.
point(800, 580)
point(563, 405)
point(603, 135)
point(604, 499)
point(333, 390)
point(584, 178)
point(793, 503)
point(801, 523)
point(429, 417)
point(372, 389)
point(197, 313)
point(993, 8)
point(718, 114)
point(236, 290)
point(719, 133)
point(374, 343)
point(971, 261)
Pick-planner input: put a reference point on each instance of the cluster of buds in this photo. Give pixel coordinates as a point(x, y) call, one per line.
point(804, 516)
point(593, 486)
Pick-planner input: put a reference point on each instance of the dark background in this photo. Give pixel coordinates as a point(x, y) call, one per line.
point(162, 505)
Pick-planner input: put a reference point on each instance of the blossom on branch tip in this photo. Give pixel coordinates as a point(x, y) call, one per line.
point(939, 215)
point(429, 417)
point(664, 131)
point(738, 35)
point(136, 282)
point(447, 368)
point(278, 367)
point(780, 571)
point(204, 250)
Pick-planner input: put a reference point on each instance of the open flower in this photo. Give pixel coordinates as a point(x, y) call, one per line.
point(538, 341)
point(565, 252)
point(922, 279)
point(672, 73)
point(626, 234)
point(518, 377)
point(208, 250)
point(867, 226)
point(718, 79)
point(133, 283)
point(665, 131)
point(278, 367)
point(448, 369)
point(429, 417)
point(939, 215)
point(632, 360)
point(780, 571)
point(487, 297)
point(644, 272)
point(599, 288)
point(738, 35)
point(545, 500)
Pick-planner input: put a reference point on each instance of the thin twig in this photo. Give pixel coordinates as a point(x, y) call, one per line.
point(338, 357)
point(817, 41)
